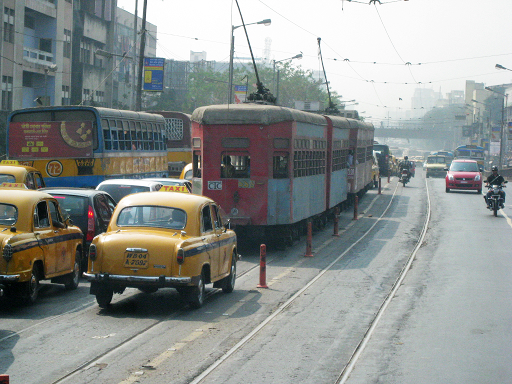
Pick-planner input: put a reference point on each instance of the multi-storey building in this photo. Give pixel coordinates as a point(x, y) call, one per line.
point(61, 52)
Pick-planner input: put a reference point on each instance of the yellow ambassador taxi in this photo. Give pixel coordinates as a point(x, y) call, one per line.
point(163, 239)
point(36, 242)
point(11, 171)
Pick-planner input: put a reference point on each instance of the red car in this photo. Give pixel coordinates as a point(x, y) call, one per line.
point(465, 175)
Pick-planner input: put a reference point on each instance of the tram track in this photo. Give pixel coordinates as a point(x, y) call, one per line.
point(345, 373)
point(91, 362)
point(68, 377)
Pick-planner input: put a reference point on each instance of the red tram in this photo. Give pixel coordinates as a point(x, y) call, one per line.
point(272, 168)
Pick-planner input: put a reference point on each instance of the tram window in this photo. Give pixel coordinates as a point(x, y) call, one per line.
point(107, 141)
point(280, 166)
point(196, 164)
point(235, 166)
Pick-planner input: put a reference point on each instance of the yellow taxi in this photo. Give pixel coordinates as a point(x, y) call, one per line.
point(11, 171)
point(163, 239)
point(37, 243)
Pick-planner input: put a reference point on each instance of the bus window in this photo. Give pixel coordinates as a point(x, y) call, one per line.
point(107, 140)
point(113, 132)
point(139, 135)
point(151, 141)
point(126, 136)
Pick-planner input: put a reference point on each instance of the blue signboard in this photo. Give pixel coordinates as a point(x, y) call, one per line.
point(153, 74)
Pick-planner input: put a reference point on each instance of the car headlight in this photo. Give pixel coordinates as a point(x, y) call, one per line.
point(477, 178)
point(450, 177)
point(7, 253)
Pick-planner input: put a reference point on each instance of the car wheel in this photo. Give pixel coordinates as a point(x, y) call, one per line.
point(479, 192)
point(447, 190)
point(74, 277)
point(196, 294)
point(32, 287)
point(229, 281)
point(104, 296)
point(148, 289)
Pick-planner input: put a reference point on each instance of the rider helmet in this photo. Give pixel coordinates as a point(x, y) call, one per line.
point(406, 157)
point(494, 168)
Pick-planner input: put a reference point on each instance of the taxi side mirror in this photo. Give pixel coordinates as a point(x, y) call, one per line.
point(227, 225)
point(58, 224)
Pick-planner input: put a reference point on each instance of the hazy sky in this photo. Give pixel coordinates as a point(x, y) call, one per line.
point(365, 47)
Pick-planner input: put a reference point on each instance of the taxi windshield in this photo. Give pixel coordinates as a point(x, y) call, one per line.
point(152, 216)
point(5, 178)
point(436, 160)
point(8, 214)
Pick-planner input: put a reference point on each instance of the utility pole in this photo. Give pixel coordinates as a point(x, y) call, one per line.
point(134, 84)
point(141, 57)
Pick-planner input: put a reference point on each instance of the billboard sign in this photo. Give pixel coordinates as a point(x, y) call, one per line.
point(54, 139)
point(153, 74)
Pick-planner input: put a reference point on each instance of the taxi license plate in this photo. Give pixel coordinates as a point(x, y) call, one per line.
point(136, 259)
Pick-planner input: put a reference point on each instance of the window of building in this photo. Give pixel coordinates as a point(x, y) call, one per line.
point(86, 95)
point(30, 21)
point(100, 97)
point(85, 52)
point(66, 100)
point(45, 45)
point(67, 43)
point(8, 25)
point(6, 93)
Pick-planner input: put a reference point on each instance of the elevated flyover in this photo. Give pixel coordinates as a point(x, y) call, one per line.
point(416, 133)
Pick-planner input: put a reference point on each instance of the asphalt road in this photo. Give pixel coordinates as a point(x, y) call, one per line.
point(447, 322)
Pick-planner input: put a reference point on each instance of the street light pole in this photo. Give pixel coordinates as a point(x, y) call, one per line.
point(266, 22)
point(138, 103)
point(502, 130)
point(276, 86)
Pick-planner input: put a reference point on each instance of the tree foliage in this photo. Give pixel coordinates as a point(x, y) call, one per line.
point(207, 87)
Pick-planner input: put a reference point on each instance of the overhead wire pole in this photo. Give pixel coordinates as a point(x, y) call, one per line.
point(262, 94)
point(138, 105)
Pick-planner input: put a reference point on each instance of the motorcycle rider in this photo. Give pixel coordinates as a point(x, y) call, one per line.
point(495, 179)
point(405, 164)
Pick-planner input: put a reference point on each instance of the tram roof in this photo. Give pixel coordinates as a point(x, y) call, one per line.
point(253, 114)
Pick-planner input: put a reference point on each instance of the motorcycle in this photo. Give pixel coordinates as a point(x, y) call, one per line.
point(495, 201)
point(404, 176)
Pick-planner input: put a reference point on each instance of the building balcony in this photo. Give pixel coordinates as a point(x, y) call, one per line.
point(37, 56)
point(46, 7)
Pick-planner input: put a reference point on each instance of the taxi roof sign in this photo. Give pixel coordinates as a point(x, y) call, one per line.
point(9, 162)
point(174, 188)
point(13, 185)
